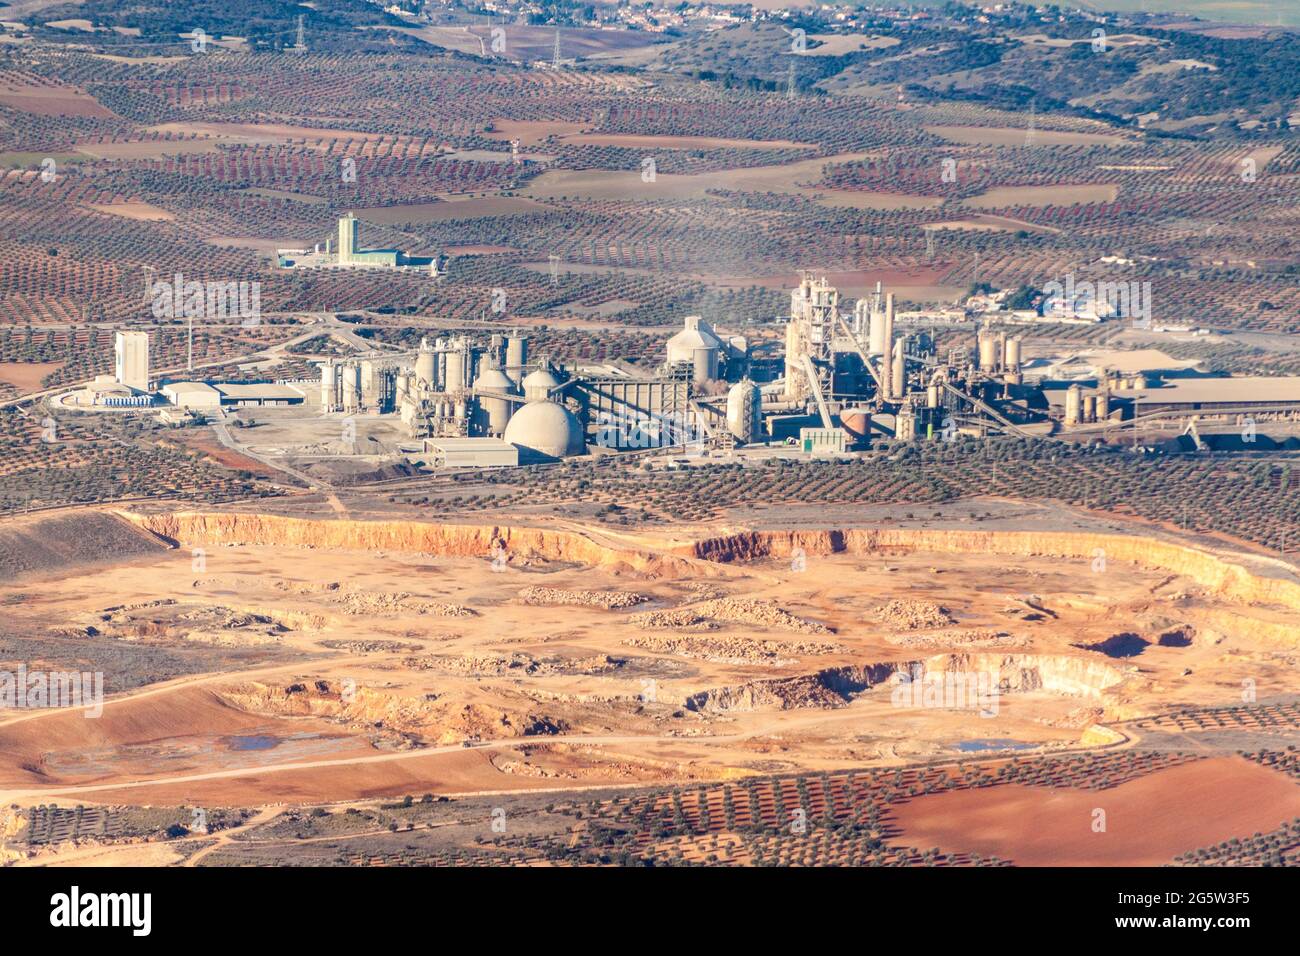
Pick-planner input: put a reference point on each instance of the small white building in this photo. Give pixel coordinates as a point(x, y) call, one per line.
point(471, 453)
point(823, 441)
point(198, 395)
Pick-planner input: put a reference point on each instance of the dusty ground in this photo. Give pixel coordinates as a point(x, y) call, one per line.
point(412, 658)
point(1147, 821)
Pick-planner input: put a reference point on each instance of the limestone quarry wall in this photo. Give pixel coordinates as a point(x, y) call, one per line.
point(837, 686)
point(469, 541)
point(1212, 571)
point(1218, 574)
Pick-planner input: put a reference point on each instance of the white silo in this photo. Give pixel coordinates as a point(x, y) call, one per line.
point(1014, 349)
point(351, 375)
point(370, 383)
point(425, 368)
point(516, 357)
point(876, 335)
point(898, 373)
point(497, 411)
point(1073, 405)
point(988, 351)
point(744, 411)
point(455, 377)
point(538, 384)
point(704, 364)
point(329, 397)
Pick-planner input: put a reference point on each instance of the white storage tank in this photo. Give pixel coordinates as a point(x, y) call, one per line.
point(457, 360)
point(425, 368)
point(876, 336)
point(516, 357)
point(1073, 405)
point(538, 384)
point(704, 364)
point(329, 399)
point(493, 382)
point(351, 375)
point(988, 350)
point(744, 411)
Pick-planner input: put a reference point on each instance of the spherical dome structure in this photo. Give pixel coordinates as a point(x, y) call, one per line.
point(494, 379)
point(538, 384)
point(545, 430)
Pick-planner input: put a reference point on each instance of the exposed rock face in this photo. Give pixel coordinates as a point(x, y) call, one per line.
point(467, 541)
point(838, 686)
point(390, 719)
point(1218, 573)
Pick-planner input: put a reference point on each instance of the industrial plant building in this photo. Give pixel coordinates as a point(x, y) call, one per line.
point(346, 252)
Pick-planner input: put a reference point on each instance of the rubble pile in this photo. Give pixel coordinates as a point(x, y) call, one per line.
point(959, 637)
point(707, 614)
point(609, 600)
point(736, 651)
point(913, 615)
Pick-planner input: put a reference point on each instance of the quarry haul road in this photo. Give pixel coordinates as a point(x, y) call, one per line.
point(351, 761)
point(503, 744)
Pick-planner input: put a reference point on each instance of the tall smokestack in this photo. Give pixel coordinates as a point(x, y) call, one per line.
point(898, 378)
point(887, 342)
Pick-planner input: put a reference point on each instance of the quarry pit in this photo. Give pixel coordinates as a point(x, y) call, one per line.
point(370, 658)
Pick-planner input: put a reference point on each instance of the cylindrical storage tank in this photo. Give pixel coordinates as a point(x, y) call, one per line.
point(704, 364)
point(402, 388)
point(1090, 408)
point(898, 374)
point(1103, 405)
point(988, 353)
point(455, 370)
point(538, 384)
point(1073, 405)
point(425, 366)
point(494, 382)
point(516, 357)
point(369, 384)
point(1013, 354)
point(351, 387)
point(328, 388)
point(857, 423)
point(744, 411)
point(876, 335)
point(932, 396)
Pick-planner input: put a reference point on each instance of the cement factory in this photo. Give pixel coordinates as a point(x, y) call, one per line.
point(846, 380)
point(849, 380)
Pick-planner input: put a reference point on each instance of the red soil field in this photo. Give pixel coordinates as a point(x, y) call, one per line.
point(1149, 821)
